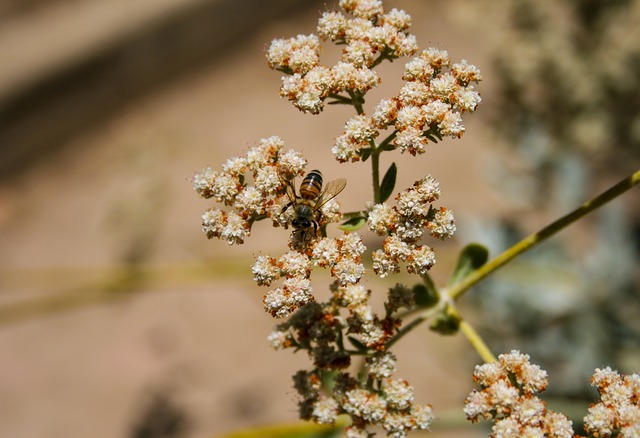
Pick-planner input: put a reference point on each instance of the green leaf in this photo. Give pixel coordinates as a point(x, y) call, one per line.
point(425, 295)
point(472, 257)
point(445, 323)
point(353, 224)
point(357, 344)
point(365, 154)
point(388, 182)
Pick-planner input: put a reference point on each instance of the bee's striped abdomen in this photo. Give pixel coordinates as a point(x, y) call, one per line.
point(311, 185)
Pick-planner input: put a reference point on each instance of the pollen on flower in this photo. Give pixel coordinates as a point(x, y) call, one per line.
point(451, 125)
point(399, 393)
point(411, 116)
point(418, 69)
point(279, 339)
point(224, 187)
point(360, 129)
point(291, 163)
point(508, 398)
point(325, 410)
point(365, 404)
point(421, 260)
point(444, 85)
point(298, 54)
point(250, 199)
point(347, 271)
point(235, 230)
point(414, 93)
point(465, 72)
point(367, 9)
point(353, 295)
point(347, 149)
point(202, 183)
point(213, 222)
point(352, 245)
point(382, 219)
point(358, 53)
point(397, 18)
point(332, 25)
point(411, 140)
point(295, 264)
point(384, 264)
point(381, 365)
point(618, 411)
point(436, 58)
point(325, 252)
point(265, 270)
point(282, 301)
point(385, 113)
point(267, 180)
point(443, 224)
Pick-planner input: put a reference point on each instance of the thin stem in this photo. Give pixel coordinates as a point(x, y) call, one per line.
point(476, 341)
point(375, 174)
point(548, 231)
point(357, 101)
point(413, 324)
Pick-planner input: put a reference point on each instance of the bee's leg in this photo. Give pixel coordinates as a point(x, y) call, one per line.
point(285, 207)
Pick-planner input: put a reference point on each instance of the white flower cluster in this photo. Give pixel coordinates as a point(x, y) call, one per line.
point(369, 36)
point(265, 164)
point(390, 407)
point(404, 224)
point(429, 106)
point(342, 255)
point(618, 411)
point(507, 397)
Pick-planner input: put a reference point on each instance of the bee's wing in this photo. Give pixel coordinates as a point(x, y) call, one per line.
point(289, 187)
point(330, 191)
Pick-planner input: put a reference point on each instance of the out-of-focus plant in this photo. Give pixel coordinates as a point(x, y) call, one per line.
point(568, 81)
point(260, 185)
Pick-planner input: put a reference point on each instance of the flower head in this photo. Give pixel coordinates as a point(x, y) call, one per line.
point(507, 396)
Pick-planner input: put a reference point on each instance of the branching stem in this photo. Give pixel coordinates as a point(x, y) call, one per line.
point(548, 231)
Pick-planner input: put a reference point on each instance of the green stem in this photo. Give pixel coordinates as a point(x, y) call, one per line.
point(548, 231)
point(375, 174)
point(357, 101)
point(413, 324)
point(476, 341)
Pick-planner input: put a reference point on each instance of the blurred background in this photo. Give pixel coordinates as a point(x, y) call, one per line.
point(119, 319)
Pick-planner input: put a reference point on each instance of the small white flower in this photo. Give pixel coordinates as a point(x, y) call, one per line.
point(332, 25)
point(381, 365)
point(265, 270)
point(325, 410)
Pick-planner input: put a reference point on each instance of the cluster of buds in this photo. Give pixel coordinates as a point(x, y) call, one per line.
point(404, 225)
point(618, 411)
point(429, 107)
point(375, 398)
point(370, 36)
point(342, 255)
point(259, 186)
point(507, 397)
point(251, 187)
point(389, 405)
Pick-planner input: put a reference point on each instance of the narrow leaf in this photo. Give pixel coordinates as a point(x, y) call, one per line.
point(353, 224)
point(365, 154)
point(472, 257)
point(424, 296)
point(445, 323)
point(357, 344)
point(388, 182)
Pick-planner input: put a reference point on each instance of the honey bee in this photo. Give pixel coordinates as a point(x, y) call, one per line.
point(312, 197)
